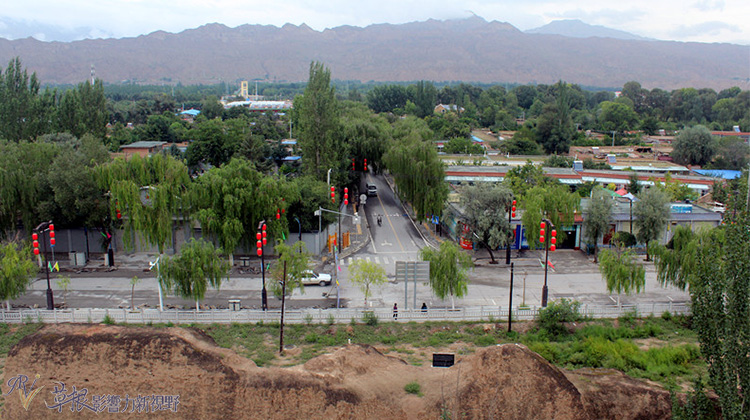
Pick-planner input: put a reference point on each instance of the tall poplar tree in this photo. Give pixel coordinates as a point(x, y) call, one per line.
point(316, 114)
point(651, 214)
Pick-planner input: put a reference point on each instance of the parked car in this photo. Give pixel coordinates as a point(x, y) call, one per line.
point(372, 190)
point(311, 278)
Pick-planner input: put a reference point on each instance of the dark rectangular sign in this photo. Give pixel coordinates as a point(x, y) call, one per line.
point(443, 360)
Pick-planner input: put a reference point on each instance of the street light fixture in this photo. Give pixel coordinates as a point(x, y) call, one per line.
point(549, 245)
point(511, 215)
point(41, 229)
point(261, 240)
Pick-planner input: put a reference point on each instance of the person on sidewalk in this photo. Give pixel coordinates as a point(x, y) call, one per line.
point(424, 307)
point(395, 312)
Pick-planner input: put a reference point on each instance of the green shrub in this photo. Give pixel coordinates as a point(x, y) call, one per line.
point(485, 340)
point(413, 388)
point(308, 319)
point(331, 320)
point(552, 317)
point(370, 318)
point(108, 320)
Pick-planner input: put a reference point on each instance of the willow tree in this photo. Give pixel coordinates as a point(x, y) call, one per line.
point(554, 202)
point(448, 270)
point(148, 192)
point(17, 269)
point(621, 271)
point(25, 193)
point(197, 266)
point(486, 210)
point(419, 175)
point(231, 200)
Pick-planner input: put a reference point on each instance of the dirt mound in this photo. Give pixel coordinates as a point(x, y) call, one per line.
point(136, 370)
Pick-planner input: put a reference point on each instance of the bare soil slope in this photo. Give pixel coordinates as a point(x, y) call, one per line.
point(501, 382)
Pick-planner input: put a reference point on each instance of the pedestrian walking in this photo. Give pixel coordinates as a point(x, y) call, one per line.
point(424, 307)
point(395, 312)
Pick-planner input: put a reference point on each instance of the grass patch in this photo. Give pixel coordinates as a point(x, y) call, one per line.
point(10, 334)
point(413, 387)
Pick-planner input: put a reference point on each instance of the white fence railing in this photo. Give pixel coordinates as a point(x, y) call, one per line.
point(345, 315)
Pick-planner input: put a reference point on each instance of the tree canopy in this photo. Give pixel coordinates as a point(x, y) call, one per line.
point(448, 270)
point(197, 266)
point(651, 213)
point(597, 217)
point(486, 210)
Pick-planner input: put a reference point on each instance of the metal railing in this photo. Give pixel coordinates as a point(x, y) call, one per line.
point(343, 315)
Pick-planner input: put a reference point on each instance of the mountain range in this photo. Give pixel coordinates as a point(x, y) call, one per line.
point(470, 50)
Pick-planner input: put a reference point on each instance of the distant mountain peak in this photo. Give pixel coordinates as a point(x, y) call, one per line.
point(575, 28)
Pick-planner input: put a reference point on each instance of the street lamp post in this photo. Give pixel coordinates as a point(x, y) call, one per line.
point(299, 238)
point(261, 237)
point(511, 214)
point(41, 229)
point(549, 245)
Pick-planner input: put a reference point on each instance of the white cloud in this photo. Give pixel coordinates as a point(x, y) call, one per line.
point(664, 19)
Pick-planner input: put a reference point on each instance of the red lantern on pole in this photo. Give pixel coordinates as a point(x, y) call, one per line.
point(264, 228)
point(333, 194)
point(52, 234)
point(35, 237)
point(541, 232)
point(257, 236)
point(52, 241)
point(552, 248)
point(278, 215)
point(365, 165)
point(346, 196)
point(542, 225)
point(51, 228)
point(541, 239)
point(260, 252)
point(264, 235)
point(353, 167)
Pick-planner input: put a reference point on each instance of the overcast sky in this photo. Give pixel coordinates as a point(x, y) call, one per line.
point(679, 20)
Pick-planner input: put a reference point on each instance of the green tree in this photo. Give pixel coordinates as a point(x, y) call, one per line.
point(18, 93)
point(133, 282)
point(486, 208)
point(597, 218)
point(520, 179)
point(211, 108)
point(424, 97)
point(621, 271)
point(149, 193)
point(448, 270)
point(693, 146)
point(555, 126)
point(522, 143)
point(25, 193)
point(317, 115)
point(230, 201)
point(297, 261)
point(83, 110)
point(651, 213)
point(633, 186)
point(17, 269)
point(197, 266)
point(367, 274)
point(617, 117)
point(63, 282)
point(554, 202)
point(419, 175)
point(731, 153)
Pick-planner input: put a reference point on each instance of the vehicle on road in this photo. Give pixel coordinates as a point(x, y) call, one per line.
point(311, 278)
point(372, 190)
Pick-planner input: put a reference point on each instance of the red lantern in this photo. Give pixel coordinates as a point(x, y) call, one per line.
point(333, 189)
point(554, 232)
point(260, 252)
point(552, 248)
point(346, 196)
point(283, 211)
point(52, 234)
point(36, 251)
point(264, 228)
point(265, 241)
point(513, 214)
point(278, 216)
point(365, 165)
point(36, 243)
point(353, 167)
point(553, 240)
point(257, 236)
point(541, 232)
point(259, 244)
point(541, 239)
point(52, 241)
point(119, 215)
point(541, 225)
point(35, 237)
point(514, 202)
point(51, 227)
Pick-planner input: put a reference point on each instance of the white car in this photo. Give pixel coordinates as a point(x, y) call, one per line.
point(311, 278)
